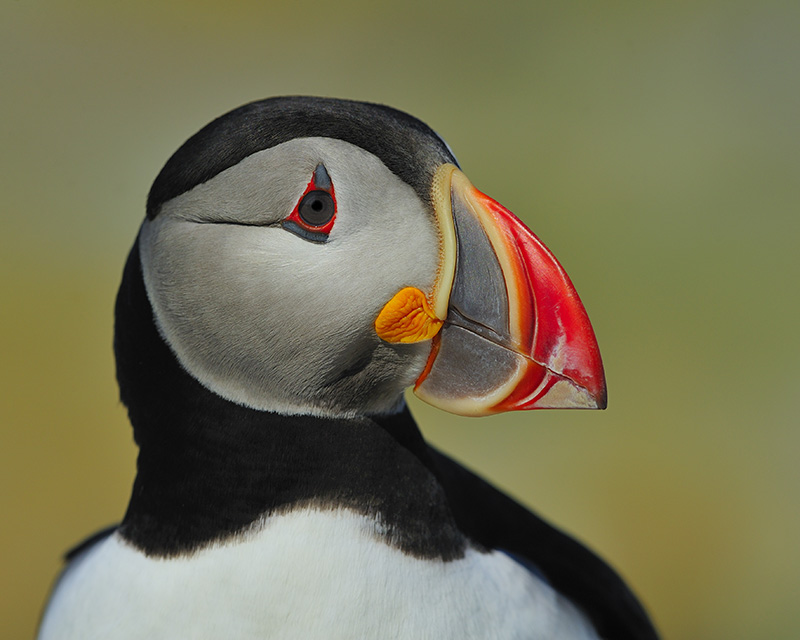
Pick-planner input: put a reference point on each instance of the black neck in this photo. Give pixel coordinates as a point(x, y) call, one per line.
point(209, 468)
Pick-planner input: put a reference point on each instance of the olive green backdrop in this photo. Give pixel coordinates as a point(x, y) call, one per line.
point(655, 147)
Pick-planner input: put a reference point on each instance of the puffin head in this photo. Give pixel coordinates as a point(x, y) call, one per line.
point(319, 256)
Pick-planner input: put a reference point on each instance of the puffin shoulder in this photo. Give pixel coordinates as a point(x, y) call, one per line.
point(495, 521)
point(89, 542)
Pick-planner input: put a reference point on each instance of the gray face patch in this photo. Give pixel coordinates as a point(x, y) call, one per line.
point(272, 321)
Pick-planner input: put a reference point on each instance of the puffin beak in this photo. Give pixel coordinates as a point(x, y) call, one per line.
point(507, 328)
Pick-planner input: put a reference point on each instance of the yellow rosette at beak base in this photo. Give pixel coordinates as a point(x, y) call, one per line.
point(407, 317)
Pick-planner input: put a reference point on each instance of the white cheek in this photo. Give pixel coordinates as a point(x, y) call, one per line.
point(265, 318)
point(223, 306)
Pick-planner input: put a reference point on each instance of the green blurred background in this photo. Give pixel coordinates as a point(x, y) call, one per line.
point(655, 147)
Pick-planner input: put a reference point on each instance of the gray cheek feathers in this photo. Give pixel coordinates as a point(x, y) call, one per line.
point(272, 321)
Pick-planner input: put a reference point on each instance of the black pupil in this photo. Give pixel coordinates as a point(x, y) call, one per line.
point(316, 208)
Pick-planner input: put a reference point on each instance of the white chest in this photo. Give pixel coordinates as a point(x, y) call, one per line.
point(305, 575)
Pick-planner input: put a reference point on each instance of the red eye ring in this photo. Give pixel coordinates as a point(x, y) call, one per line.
point(318, 202)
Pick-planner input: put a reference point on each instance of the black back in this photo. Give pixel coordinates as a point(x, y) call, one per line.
point(497, 522)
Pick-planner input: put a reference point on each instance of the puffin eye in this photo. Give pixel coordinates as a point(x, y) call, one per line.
point(313, 217)
point(316, 208)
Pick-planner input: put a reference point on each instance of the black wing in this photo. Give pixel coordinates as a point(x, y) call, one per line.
point(495, 521)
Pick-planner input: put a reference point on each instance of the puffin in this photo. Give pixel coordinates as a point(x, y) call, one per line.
point(303, 261)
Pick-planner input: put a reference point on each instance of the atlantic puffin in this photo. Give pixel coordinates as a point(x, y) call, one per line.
point(302, 262)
